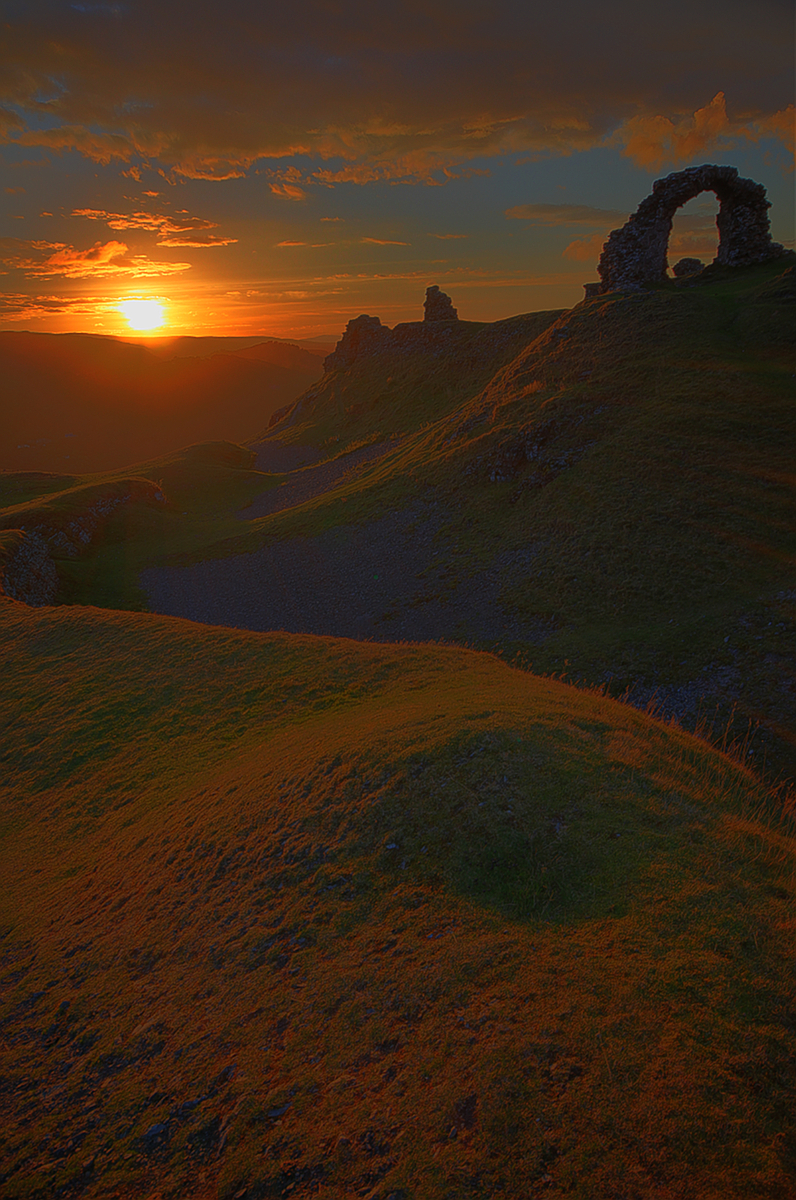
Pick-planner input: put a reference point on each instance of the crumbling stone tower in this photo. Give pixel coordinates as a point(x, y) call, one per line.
point(636, 254)
point(438, 306)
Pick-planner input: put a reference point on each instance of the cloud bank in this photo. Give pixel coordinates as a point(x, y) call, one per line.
point(398, 93)
point(40, 259)
point(176, 230)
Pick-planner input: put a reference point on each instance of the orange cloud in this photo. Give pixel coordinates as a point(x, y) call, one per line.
point(101, 148)
point(187, 231)
point(16, 306)
point(382, 242)
point(780, 126)
point(41, 259)
point(447, 81)
point(652, 141)
point(194, 241)
point(214, 168)
point(585, 249)
point(655, 141)
point(418, 166)
point(288, 190)
point(567, 214)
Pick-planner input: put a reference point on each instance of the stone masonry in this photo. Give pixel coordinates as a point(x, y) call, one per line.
point(636, 254)
point(438, 306)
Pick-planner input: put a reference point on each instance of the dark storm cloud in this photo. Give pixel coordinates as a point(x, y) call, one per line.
point(397, 91)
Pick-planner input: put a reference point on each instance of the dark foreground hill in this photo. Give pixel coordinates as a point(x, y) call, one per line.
point(77, 403)
point(289, 916)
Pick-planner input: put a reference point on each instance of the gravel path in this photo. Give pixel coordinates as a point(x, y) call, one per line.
point(278, 458)
point(310, 481)
point(393, 579)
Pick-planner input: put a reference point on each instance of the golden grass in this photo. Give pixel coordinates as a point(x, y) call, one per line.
point(459, 930)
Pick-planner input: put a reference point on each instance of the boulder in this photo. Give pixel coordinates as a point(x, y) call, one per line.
point(687, 266)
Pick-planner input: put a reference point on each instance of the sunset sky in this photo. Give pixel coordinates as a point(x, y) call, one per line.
point(276, 169)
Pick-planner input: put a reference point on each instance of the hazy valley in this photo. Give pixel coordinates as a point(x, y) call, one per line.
point(96, 403)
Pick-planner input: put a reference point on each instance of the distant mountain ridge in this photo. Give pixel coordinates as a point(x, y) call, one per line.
point(94, 403)
point(188, 346)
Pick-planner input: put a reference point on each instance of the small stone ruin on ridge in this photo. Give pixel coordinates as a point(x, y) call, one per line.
point(367, 335)
point(636, 254)
point(438, 306)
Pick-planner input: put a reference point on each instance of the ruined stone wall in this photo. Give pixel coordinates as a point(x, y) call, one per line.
point(438, 306)
point(366, 335)
point(636, 254)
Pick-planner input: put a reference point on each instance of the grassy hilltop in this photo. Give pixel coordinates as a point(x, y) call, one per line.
point(293, 915)
point(287, 915)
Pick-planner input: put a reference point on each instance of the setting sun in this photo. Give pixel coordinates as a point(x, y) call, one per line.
point(143, 314)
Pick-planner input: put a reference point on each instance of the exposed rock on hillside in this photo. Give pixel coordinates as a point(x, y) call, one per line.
point(367, 335)
point(363, 335)
point(636, 254)
point(688, 266)
point(30, 574)
point(438, 306)
point(466, 350)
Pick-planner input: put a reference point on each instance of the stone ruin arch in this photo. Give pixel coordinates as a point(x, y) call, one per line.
point(636, 254)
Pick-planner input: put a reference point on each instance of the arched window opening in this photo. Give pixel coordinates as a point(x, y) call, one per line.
point(694, 231)
point(636, 255)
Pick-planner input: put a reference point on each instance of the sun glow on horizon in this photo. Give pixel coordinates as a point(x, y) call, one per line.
point(143, 314)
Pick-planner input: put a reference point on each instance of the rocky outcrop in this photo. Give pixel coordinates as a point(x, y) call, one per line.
point(366, 335)
point(438, 306)
point(30, 573)
point(635, 255)
point(460, 345)
point(362, 335)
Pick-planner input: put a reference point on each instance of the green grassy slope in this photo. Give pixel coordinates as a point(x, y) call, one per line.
point(420, 375)
point(179, 502)
point(640, 451)
point(286, 915)
point(637, 449)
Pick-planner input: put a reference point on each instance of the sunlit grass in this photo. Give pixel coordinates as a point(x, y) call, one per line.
point(476, 924)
